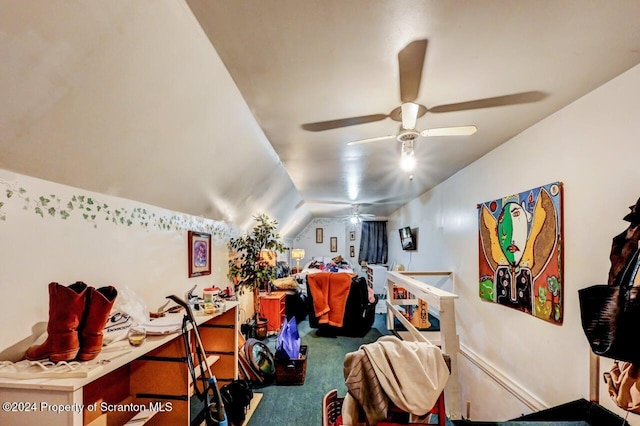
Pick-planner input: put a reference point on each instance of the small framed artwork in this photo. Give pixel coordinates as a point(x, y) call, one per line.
point(199, 254)
point(319, 235)
point(352, 251)
point(352, 235)
point(333, 244)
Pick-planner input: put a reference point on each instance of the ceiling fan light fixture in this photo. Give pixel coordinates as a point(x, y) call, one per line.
point(409, 115)
point(408, 158)
point(353, 219)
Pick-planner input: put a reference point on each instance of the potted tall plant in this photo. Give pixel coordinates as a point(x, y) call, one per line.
point(247, 267)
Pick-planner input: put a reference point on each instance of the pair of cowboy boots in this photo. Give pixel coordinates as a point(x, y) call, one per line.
point(77, 316)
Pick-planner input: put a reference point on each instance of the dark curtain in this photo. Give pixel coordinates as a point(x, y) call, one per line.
point(373, 242)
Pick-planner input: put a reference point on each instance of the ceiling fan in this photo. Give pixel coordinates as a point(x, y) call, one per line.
point(356, 217)
point(411, 62)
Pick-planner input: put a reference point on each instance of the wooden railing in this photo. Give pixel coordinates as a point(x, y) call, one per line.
point(440, 302)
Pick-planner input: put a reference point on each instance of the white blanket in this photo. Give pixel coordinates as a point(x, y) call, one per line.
point(412, 374)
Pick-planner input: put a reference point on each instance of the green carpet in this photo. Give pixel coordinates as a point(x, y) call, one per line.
point(302, 405)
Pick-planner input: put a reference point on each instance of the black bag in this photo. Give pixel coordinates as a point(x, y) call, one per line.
point(236, 397)
point(611, 316)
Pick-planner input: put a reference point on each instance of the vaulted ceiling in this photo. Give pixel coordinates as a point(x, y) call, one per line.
point(220, 108)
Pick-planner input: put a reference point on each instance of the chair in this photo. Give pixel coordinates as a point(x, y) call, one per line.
point(332, 410)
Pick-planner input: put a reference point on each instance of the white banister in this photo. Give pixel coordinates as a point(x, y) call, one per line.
point(447, 338)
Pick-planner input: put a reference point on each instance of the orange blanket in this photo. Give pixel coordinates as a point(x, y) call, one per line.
point(329, 291)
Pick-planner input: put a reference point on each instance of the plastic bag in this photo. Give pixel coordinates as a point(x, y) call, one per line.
point(116, 328)
point(288, 341)
point(131, 304)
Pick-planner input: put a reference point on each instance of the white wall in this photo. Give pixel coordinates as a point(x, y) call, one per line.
point(338, 228)
point(38, 249)
point(592, 146)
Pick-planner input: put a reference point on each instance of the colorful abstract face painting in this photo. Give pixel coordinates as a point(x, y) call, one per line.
point(520, 239)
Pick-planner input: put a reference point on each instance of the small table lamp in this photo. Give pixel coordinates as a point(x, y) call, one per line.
point(297, 254)
point(269, 257)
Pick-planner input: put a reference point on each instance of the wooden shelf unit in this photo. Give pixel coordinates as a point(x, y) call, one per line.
point(376, 278)
point(154, 376)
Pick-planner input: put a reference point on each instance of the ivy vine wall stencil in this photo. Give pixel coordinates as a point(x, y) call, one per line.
point(317, 222)
point(95, 211)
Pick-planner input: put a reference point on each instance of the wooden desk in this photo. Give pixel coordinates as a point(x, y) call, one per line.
point(154, 376)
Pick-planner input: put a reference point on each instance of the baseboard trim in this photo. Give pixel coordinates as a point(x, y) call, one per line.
point(509, 385)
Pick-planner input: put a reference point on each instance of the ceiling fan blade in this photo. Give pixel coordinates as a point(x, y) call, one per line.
point(450, 131)
point(343, 122)
point(330, 202)
point(514, 99)
point(379, 138)
point(411, 61)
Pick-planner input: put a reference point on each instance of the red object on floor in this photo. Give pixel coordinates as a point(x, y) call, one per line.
point(332, 411)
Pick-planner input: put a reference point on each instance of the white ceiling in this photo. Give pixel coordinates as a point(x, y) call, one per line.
point(134, 99)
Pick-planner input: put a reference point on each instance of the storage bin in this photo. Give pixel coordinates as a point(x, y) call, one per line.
point(292, 371)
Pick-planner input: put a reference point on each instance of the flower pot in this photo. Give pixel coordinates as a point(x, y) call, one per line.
point(261, 328)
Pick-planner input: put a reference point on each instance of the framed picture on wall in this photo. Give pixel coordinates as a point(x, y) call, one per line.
point(531, 278)
point(352, 251)
point(319, 235)
point(199, 254)
point(334, 244)
point(352, 235)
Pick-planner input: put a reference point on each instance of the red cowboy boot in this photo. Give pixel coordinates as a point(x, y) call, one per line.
point(96, 313)
point(66, 305)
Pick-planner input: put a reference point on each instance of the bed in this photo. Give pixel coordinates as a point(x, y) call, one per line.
point(297, 303)
point(336, 264)
point(339, 302)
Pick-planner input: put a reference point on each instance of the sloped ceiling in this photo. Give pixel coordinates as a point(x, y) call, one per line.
point(129, 98)
point(200, 106)
point(501, 65)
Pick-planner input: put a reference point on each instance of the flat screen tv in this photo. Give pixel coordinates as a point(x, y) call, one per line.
point(407, 239)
